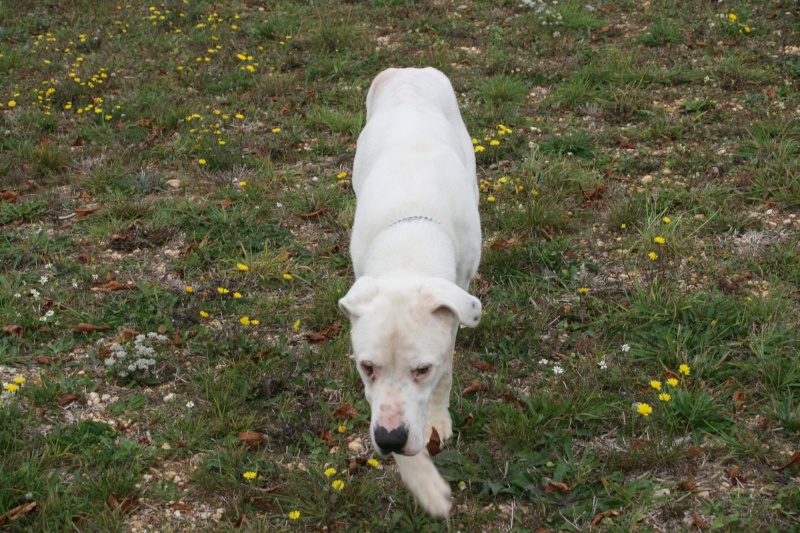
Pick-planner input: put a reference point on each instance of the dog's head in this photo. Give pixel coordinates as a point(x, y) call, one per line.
point(403, 332)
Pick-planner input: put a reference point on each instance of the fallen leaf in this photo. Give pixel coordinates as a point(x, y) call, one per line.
point(112, 286)
point(124, 505)
point(239, 521)
point(89, 328)
point(325, 334)
point(15, 330)
point(123, 336)
point(700, 523)
point(67, 399)
point(180, 506)
point(345, 411)
point(327, 436)
point(794, 460)
point(434, 445)
point(735, 477)
point(484, 366)
point(693, 451)
point(468, 422)
point(686, 486)
point(474, 386)
point(7, 195)
point(86, 211)
point(352, 466)
point(18, 512)
point(557, 485)
point(602, 516)
point(314, 214)
point(251, 438)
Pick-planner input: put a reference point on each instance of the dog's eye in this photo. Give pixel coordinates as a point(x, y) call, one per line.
point(368, 369)
point(422, 371)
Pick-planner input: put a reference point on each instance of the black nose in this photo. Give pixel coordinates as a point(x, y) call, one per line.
point(391, 441)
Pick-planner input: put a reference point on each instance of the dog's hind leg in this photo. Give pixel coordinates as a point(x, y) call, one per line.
point(424, 481)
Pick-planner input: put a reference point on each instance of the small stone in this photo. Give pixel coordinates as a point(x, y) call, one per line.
point(703, 495)
point(175, 184)
point(355, 447)
point(169, 397)
point(166, 446)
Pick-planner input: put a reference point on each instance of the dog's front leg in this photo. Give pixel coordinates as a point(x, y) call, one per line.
point(425, 483)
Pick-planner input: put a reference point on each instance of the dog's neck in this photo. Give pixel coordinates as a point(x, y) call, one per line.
point(413, 218)
point(407, 246)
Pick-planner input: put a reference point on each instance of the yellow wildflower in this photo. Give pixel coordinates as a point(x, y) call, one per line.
point(644, 409)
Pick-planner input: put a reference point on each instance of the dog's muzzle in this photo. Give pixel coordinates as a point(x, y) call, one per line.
point(391, 441)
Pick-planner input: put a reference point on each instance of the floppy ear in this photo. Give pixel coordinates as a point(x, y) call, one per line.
point(360, 294)
point(439, 294)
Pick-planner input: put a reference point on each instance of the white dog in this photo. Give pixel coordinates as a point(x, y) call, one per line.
point(415, 245)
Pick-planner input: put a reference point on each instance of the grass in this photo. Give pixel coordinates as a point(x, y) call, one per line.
point(148, 151)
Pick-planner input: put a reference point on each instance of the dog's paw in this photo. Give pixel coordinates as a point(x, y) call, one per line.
point(423, 480)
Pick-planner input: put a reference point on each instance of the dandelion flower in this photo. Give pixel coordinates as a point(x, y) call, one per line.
point(239, 116)
point(490, 199)
point(237, 295)
point(656, 385)
point(732, 17)
point(276, 130)
point(19, 380)
point(287, 276)
point(203, 314)
point(296, 325)
point(329, 472)
point(11, 387)
point(659, 240)
point(341, 175)
point(242, 184)
point(583, 290)
point(201, 161)
point(242, 267)
point(294, 515)
point(250, 475)
point(623, 226)
point(342, 429)
point(684, 369)
point(672, 382)
point(338, 484)
point(666, 220)
point(653, 256)
point(479, 148)
point(255, 322)
point(462, 485)
point(373, 463)
point(494, 142)
point(664, 397)
point(189, 288)
point(245, 321)
point(644, 409)
point(222, 290)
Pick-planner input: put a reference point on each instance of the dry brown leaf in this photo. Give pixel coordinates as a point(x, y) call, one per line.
point(251, 438)
point(328, 437)
point(7, 195)
point(326, 334)
point(686, 486)
point(352, 466)
point(482, 365)
point(124, 505)
point(86, 211)
point(434, 445)
point(693, 451)
point(314, 214)
point(67, 399)
point(123, 336)
point(794, 460)
point(469, 421)
point(15, 330)
point(180, 506)
point(474, 386)
point(602, 516)
point(345, 411)
point(557, 485)
point(700, 523)
point(112, 286)
point(89, 328)
point(18, 512)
